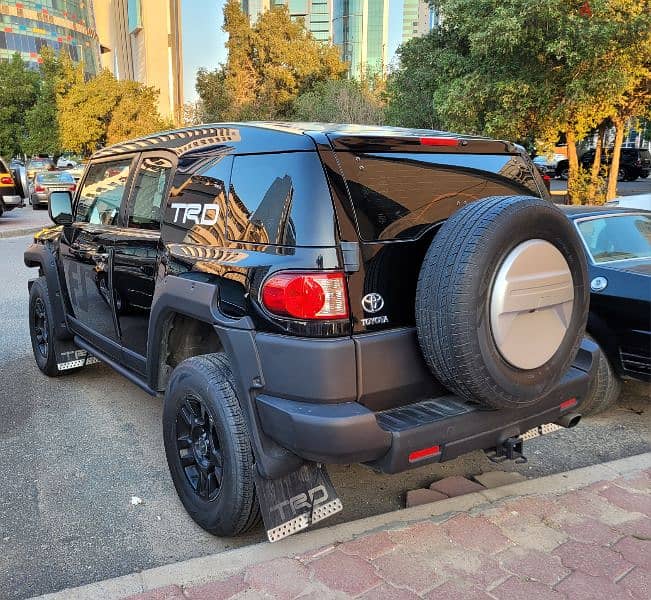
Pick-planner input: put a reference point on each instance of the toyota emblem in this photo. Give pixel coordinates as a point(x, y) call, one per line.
point(372, 303)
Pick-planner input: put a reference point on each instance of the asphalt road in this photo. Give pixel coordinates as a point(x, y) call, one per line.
point(74, 450)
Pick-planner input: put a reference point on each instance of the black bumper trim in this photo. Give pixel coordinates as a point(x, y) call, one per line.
point(349, 432)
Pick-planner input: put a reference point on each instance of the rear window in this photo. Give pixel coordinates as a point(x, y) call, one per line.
point(39, 164)
point(398, 195)
point(55, 178)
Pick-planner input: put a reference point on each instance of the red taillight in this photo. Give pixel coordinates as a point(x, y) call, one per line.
point(439, 141)
point(72, 188)
point(424, 453)
point(306, 295)
point(6, 181)
point(568, 404)
point(548, 182)
point(39, 188)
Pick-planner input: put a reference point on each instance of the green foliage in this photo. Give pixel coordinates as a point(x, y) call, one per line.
point(104, 111)
point(269, 65)
point(340, 101)
point(522, 69)
point(18, 92)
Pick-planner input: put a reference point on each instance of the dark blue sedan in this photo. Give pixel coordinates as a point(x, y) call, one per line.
point(618, 248)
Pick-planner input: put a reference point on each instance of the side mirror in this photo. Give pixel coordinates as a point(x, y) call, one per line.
point(60, 208)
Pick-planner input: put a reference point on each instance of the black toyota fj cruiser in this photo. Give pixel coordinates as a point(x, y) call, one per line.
point(308, 294)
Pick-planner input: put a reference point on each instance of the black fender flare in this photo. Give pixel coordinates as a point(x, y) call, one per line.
point(199, 300)
point(41, 256)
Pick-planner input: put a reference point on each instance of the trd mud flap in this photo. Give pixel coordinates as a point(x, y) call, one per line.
point(71, 357)
point(296, 501)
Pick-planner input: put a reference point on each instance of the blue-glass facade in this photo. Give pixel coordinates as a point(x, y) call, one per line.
point(63, 25)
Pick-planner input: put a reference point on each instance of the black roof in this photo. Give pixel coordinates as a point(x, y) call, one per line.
point(578, 212)
point(259, 137)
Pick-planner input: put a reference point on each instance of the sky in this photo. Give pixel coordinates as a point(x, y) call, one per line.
point(203, 38)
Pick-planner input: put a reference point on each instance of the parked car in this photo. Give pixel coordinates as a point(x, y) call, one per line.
point(77, 171)
point(547, 164)
point(309, 294)
point(618, 245)
point(66, 162)
point(633, 163)
point(37, 165)
point(46, 182)
point(639, 201)
point(9, 197)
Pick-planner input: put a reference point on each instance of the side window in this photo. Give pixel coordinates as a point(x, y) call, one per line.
point(149, 192)
point(280, 199)
point(196, 210)
point(101, 195)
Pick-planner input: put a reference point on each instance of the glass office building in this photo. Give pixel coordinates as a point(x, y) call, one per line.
point(63, 25)
point(361, 29)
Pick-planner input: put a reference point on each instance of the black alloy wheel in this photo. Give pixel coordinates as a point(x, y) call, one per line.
point(198, 447)
point(41, 327)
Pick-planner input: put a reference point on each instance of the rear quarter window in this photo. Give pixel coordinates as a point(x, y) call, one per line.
point(398, 195)
point(280, 199)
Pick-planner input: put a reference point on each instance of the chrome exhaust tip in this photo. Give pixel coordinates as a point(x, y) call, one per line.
point(569, 420)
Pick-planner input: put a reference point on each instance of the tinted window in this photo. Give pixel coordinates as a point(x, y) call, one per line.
point(617, 237)
point(191, 189)
point(397, 195)
point(280, 199)
point(101, 195)
point(149, 192)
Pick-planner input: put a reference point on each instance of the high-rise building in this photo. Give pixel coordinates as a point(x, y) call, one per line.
point(361, 29)
point(141, 41)
point(418, 18)
point(316, 14)
point(63, 25)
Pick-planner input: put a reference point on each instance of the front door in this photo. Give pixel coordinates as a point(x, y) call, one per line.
point(136, 255)
point(87, 253)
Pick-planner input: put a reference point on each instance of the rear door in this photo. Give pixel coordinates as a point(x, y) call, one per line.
point(87, 252)
point(137, 252)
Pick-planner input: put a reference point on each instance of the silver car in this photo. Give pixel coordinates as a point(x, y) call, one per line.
point(46, 182)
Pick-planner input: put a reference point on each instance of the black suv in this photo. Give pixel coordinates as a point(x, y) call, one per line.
point(633, 163)
point(306, 294)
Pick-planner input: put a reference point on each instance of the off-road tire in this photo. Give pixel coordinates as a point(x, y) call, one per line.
point(454, 291)
point(235, 509)
point(39, 300)
point(605, 388)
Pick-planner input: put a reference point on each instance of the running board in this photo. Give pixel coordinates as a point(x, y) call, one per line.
point(295, 501)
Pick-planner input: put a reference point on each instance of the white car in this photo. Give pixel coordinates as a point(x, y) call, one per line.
point(66, 163)
point(639, 201)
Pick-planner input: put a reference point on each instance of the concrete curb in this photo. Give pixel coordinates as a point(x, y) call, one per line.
point(18, 232)
point(216, 567)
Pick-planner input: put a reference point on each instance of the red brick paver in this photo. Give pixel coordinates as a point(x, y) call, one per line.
point(589, 544)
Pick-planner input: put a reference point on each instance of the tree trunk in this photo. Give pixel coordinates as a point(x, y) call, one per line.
point(573, 163)
point(611, 192)
point(596, 165)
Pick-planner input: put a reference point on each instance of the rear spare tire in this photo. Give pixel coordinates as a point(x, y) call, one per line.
point(502, 300)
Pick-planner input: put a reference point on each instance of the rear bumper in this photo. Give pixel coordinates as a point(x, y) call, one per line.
point(349, 432)
point(10, 199)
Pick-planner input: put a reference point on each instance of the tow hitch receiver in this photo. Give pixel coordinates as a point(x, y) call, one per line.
point(509, 449)
point(296, 501)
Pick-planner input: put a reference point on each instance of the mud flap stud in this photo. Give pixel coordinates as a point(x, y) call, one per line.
point(294, 502)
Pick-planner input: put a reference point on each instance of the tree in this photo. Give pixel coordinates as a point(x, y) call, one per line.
point(104, 111)
point(340, 101)
point(42, 125)
point(18, 92)
point(525, 68)
point(269, 65)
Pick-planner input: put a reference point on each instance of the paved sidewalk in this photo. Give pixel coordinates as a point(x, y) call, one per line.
point(585, 534)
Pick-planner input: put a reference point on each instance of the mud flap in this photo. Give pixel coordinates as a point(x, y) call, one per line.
point(71, 357)
point(294, 502)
